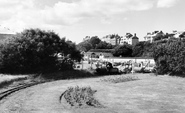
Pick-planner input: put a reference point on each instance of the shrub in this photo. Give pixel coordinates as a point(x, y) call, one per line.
point(33, 51)
point(123, 50)
point(170, 57)
point(80, 97)
point(30, 51)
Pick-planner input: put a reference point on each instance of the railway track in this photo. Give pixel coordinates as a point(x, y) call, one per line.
point(15, 89)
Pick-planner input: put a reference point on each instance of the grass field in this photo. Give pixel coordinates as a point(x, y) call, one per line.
point(148, 94)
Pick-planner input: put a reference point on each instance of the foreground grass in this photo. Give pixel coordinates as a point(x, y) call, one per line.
point(150, 94)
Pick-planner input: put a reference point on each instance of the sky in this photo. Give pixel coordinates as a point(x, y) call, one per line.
point(76, 19)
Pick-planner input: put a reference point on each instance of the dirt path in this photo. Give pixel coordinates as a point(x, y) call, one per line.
point(150, 94)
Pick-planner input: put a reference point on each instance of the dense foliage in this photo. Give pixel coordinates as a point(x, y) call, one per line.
point(94, 43)
point(34, 50)
point(143, 49)
point(170, 57)
point(104, 45)
point(123, 51)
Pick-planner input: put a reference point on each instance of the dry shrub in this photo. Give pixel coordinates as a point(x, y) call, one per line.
point(81, 97)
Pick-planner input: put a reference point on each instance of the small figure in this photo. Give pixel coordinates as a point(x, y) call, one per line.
point(109, 66)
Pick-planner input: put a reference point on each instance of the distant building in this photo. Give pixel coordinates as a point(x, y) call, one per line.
point(150, 36)
point(129, 39)
point(112, 39)
point(178, 34)
point(98, 54)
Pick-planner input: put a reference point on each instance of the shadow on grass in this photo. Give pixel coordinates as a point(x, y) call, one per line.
point(72, 74)
point(59, 75)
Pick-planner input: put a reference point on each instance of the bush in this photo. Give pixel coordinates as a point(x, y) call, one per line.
point(80, 97)
point(170, 57)
point(143, 49)
point(123, 50)
point(33, 51)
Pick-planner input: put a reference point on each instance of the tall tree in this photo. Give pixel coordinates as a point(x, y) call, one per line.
point(138, 49)
point(123, 50)
point(32, 51)
point(170, 57)
point(94, 41)
point(104, 45)
point(84, 46)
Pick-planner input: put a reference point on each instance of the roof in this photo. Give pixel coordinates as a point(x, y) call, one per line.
point(112, 36)
point(128, 35)
point(135, 37)
point(100, 53)
point(101, 50)
point(130, 58)
point(107, 54)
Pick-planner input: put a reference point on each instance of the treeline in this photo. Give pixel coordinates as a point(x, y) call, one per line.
point(142, 49)
point(93, 43)
point(36, 51)
point(169, 55)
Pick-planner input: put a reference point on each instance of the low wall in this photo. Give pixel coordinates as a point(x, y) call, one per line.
point(136, 60)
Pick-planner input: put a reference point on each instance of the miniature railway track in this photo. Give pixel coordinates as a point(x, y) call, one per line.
point(12, 90)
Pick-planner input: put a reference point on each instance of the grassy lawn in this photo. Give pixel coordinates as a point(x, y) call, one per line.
point(148, 94)
point(127, 93)
point(154, 94)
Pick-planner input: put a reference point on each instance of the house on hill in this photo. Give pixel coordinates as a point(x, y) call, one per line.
point(178, 34)
point(150, 36)
point(112, 39)
point(129, 39)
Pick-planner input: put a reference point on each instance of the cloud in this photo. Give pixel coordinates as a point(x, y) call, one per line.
point(166, 3)
point(21, 14)
point(69, 13)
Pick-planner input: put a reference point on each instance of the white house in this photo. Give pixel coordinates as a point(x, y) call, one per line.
point(150, 36)
point(129, 39)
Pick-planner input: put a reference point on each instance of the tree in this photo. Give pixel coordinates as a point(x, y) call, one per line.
point(72, 51)
point(84, 46)
point(148, 49)
point(104, 45)
point(91, 43)
point(123, 50)
point(138, 49)
point(32, 51)
point(94, 41)
point(170, 57)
